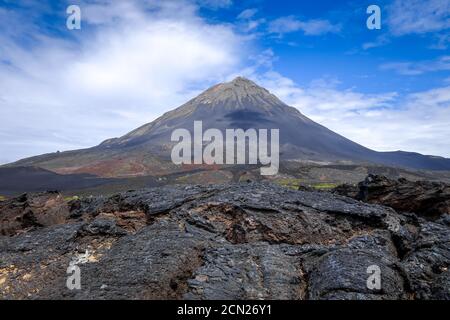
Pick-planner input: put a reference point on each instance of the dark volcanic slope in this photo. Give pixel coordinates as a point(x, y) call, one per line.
point(246, 241)
point(237, 104)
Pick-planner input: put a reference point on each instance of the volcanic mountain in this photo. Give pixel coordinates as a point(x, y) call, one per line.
point(236, 104)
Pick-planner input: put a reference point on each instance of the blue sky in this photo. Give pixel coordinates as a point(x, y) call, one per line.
point(63, 89)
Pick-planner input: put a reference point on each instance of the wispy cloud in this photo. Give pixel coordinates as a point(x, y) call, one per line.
point(442, 42)
point(216, 4)
point(418, 16)
point(309, 27)
point(408, 17)
point(417, 68)
point(248, 22)
point(247, 13)
point(379, 41)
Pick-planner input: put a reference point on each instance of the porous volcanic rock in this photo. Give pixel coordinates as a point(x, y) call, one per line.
point(31, 211)
point(425, 198)
point(239, 241)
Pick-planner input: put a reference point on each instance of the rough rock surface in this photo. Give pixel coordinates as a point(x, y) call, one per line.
point(32, 210)
point(425, 198)
point(241, 241)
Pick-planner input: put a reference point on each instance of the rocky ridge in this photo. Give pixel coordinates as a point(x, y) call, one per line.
point(426, 198)
point(240, 241)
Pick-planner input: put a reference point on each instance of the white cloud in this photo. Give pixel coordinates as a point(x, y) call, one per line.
point(417, 68)
point(418, 16)
point(310, 27)
point(142, 59)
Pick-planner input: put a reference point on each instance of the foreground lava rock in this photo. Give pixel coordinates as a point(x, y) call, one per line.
point(241, 241)
point(30, 211)
point(425, 198)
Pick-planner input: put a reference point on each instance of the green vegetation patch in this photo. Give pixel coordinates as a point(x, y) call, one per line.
point(294, 183)
point(67, 199)
point(291, 183)
point(324, 186)
point(183, 179)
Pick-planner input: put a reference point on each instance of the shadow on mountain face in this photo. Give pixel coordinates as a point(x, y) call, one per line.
point(246, 119)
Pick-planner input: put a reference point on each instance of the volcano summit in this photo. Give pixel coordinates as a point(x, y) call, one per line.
point(239, 104)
